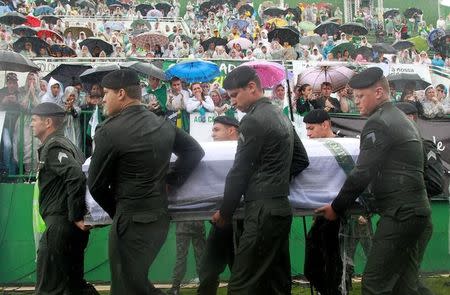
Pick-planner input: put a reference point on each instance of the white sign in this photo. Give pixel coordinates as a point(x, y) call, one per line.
point(201, 128)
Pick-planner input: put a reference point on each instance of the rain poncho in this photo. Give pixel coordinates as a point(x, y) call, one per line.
point(72, 129)
point(49, 97)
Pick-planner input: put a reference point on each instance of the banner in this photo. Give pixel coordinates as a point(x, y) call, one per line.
point(436, 130)
point(201, 129)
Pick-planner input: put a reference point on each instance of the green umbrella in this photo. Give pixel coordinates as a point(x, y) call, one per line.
point(306, 26)
point(139, 22)
point(419, 43)
point(350, 47)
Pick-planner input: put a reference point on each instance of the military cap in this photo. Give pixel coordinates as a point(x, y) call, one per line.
point(240, 77)
point(316, 117)
point(121, 79)
point(225, 120)
point(366, 78)
point(48, 109)
point(407, 108)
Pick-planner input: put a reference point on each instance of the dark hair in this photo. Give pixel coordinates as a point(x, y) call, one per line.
point(240, 77)
point(325, 84)
point(302, 88)
point(133, 91)
point(57, 121)
point(174, 79)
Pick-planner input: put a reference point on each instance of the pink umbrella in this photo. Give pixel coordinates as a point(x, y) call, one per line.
point(338, 76)
point(155, 13)
point(243, 42)
point(270, 73)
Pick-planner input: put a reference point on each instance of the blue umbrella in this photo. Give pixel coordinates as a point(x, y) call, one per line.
point(434, 36)
point(43, 10)
point(240, 23)
point(115, 26)
point(194, 71)
point(4, 9)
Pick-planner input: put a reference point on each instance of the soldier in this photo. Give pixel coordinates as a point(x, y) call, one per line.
point(390, 164)
point(219, 250)
point(269, 153)
point(128, 176)
point(62, 186)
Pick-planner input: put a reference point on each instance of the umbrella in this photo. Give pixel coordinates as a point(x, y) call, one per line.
point(279, 22)
point(402, 80)
point(243, 42)
point(350, 47)
point(85, 3)
point(91, 43)
point(140, 22)
point(206, 7)
point(354, 29)
point(392, 12)
point(419, 43)
point(146, 69)
point(138, 32)
point(306, 26)
point(240, 23)
point(40, 2)
point(115, 26)
point(144, 8)
point(32, 21)
point(194, 71)
point(307, 40)
point(411, 11)
point(36, 44)
point(12, 61)
point(246, 7)
point(67, 73)
point(164, 7)
point(285, 34)
point(434, 36)
point(329, 28)
point(24, 31)
point(43, 10)
point(76, 31)
point(270, 73)
point(274, 11)
point(183, 38)
point(44, 34)
point(365, 51)
point(4, 9)
point(95, 75)
point(402, 44)
point(384, 48)
point(296, 12)
point(50, 19)
point(338, 76)
point(13, 18)
point(65, 50)
point(214, 40)
point(151, 38)
point(154, 13)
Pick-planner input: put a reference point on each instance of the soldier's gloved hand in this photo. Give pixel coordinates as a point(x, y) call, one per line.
point(327, 211)
point(80, 224)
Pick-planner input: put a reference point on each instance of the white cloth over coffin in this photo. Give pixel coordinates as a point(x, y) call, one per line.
point(317, 185)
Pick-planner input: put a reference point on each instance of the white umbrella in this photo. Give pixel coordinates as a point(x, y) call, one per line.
point(243, 42)
point(338, 76)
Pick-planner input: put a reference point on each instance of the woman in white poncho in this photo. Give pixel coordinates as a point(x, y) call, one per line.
point(72, 129)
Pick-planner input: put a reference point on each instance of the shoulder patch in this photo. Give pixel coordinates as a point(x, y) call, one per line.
point(371, 136)
point(431, 155)
point(62, 155)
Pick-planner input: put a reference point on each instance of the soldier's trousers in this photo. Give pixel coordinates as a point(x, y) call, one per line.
point(134, 242)
point(422, 246)
point(392, 265)
point(187, 232)
point(60, 258)
point(262, 262)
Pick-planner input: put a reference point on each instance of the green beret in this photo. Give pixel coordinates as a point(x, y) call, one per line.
point(366, 78)
point(120, 79)
point(240, 77)
point(48, 109)
point(407, 108)
point(225, 120)
point(316, 117)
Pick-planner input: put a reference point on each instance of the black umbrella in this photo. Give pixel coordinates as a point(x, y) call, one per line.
point(274, 11)
point(402, 80)
point(183, 38)
point(146, 69)
point(95, 75)
point(13, 18)
point(329, 28)
point(67, 73)
point(164, 7)
point(392, 12)
point(206, 7)
point(50, 19)
point(246, 7)
point(296, 12)
point(12, 61)
point(65, 51)
point(365, 51)
point(86, 3)
point(285, 34)
point(411, 11)
point(40, 2)
point(384, 48)
point(215, 40)
point(144, 8)
point(402, 45)
point(92, 43)
point(36, 44)
point(24, 31)
point(354, 29)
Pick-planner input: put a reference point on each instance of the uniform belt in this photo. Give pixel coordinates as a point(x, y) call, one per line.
point(52, 219)
point(140, 205)
point(261, 197)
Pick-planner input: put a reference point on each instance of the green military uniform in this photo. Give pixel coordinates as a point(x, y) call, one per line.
point(269, 152)
point(62, 186)
point(127, 177)
point(390, 163)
